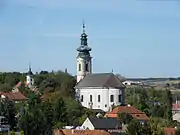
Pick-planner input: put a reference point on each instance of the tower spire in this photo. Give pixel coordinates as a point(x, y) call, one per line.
point(29, 66)
point(84, 64)
point(84, 26)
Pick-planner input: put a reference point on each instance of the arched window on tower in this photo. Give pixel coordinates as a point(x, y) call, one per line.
point(79, 67)
point(86, 67)
point(82, 98)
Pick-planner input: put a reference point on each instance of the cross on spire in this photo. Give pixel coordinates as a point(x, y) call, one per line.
point(83, 26)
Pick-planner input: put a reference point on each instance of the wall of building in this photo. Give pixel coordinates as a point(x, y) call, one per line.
point(105, 97)
point(87, 125)
point(29, 80)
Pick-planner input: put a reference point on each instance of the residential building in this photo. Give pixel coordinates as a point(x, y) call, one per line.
point(96, 90)
point(169, 131)
point(13, 96)
point(176, 111)
point(134, 112)
point(175, 108)
point(129, 83)
point(102, 124)
point(111, 125)
point(4, 126)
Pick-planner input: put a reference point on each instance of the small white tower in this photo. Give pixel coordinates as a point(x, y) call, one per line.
point(84, 63)
point(29, 78)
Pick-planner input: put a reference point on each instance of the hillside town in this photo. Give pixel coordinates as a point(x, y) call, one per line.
point(89, 103)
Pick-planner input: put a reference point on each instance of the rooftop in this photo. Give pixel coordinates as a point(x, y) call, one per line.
point(106, 123)
point(15, 96)
point(134, 112)
point(100, 80)
point(80, 132)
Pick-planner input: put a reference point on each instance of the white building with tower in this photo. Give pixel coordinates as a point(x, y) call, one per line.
point(100, 91)
point(29, 78)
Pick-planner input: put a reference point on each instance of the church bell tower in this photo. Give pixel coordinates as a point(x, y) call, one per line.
point(84, 63)
point(29, 78)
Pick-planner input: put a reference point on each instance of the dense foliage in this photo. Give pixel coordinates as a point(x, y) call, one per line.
point(59, 107)
point(157, 104)
point(38, 116)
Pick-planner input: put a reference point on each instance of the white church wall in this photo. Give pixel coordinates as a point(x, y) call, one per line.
point(115, 93)
point(105, 94)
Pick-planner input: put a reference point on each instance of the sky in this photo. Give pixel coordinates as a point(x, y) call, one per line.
point(135, 38)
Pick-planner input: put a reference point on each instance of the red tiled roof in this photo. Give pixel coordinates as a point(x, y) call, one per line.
point(169, 131)
point(80, 132)
point(175, 106)
point(134, 112)
point(15, 96)
point(20, 83)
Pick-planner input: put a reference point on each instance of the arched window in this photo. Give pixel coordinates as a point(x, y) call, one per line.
point(86, 67)
point(99, 98)
point(90, 98)
point(112, 98)
point(82, 98)
point(79, 67)
point(119, 98)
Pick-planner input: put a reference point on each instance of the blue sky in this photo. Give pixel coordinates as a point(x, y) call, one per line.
point(137, 38)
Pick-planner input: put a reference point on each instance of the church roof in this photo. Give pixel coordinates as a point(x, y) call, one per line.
point(100, 80)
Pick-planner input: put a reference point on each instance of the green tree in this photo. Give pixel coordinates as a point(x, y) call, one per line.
point(34, 120)
point(59, 113)
point(157, 111)
point(133, 127)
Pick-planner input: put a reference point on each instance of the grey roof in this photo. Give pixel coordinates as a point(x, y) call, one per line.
point(100, 80)
point(106, 123)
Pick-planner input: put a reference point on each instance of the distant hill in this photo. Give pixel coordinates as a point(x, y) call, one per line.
point(153, 79)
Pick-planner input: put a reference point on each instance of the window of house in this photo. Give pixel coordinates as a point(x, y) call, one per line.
point(86, 67)
point(90, 98)
point(99, 98)
point(112, 98)
point(82, 98)
point(119, 98)
point(79, 67)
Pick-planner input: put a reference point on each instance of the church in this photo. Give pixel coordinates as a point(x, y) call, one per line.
point(98, 91)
